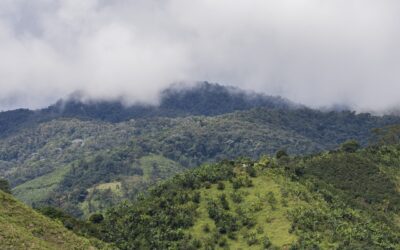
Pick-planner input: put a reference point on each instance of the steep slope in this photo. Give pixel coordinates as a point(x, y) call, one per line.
point(23, 228)
point(273, 203)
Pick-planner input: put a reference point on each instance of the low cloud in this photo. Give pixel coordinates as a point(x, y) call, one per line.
point(319, 53)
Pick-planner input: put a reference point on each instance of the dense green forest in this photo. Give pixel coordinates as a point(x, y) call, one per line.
point(86, 165)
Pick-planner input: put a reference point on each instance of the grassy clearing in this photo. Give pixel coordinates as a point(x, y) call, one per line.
point(115, 187)
point(38, 189)
point(156, 163)
point(95, 201)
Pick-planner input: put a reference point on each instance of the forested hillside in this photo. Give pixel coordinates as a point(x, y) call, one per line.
point(345, 199)
point(86, 157)
point(84, 166)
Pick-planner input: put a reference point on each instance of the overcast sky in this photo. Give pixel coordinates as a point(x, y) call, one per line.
point(316, 52)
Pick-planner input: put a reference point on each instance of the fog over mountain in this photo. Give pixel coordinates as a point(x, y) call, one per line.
point(319, 53)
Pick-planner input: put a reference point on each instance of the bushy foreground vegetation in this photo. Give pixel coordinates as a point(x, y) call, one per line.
point(334, 200)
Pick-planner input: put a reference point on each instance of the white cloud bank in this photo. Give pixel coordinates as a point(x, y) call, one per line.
point(317, 52)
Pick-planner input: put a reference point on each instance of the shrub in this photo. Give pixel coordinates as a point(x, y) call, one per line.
point(266, 243)
point(196, 243)
point(350, 146)
point(224, 202)
point(281, 153)
point(236, 197)
point(96, 218)
point(206, 228)
point(5, 186)
point(232, 235)
point(241, 181)
point(196, 197)
point(220, 186)
point(207, 185)
point(249, 222)
point(222, 242)
point(251, 171)
point(251, 238)
point(271, 200)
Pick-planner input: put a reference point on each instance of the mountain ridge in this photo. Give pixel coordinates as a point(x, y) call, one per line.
point(176, 101)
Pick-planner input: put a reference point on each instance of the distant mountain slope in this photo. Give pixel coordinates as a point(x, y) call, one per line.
point(326, 128)
point(346, 199)
point(23, 228)
point(177, 101)
point(201, 99)
point(70, 156)
point(69, 162)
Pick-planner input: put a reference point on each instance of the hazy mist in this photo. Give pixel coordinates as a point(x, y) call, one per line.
point(316, 52)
